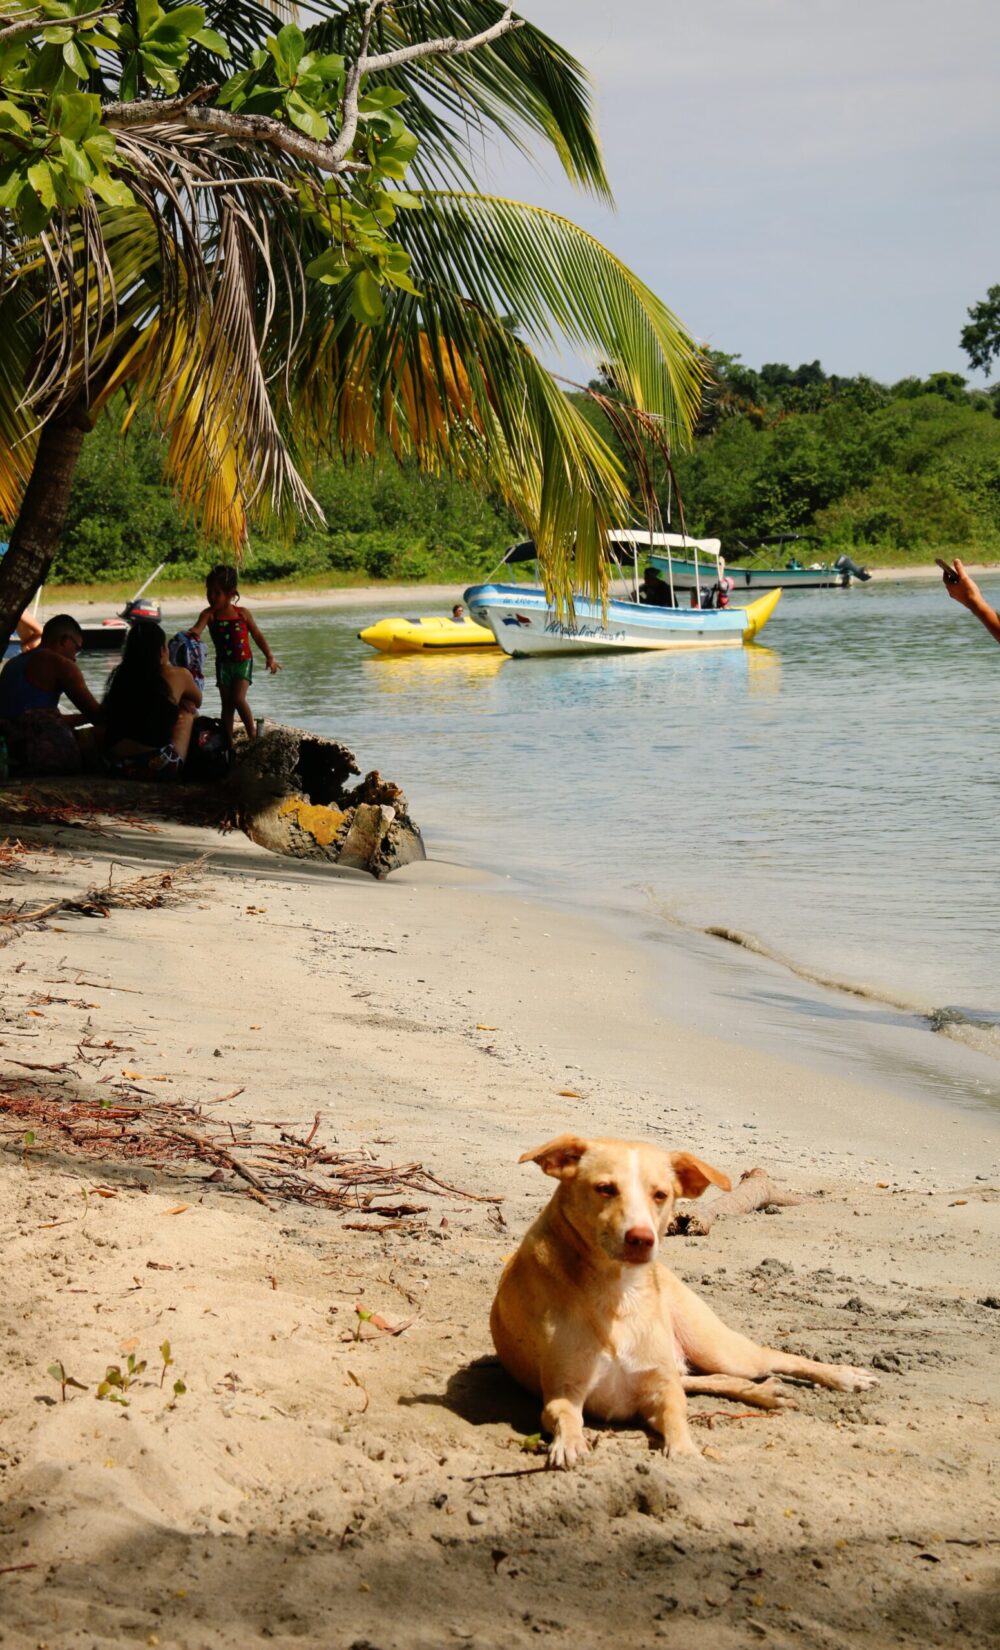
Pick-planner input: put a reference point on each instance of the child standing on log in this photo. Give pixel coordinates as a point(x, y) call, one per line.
point(231, 627)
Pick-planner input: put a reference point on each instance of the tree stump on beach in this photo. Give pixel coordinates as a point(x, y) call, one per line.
point(288, 792)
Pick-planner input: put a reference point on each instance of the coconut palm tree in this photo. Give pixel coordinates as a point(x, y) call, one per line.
point(249, 263)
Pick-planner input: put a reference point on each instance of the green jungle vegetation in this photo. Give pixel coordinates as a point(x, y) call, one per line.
point(382, 522)
point(891, 475)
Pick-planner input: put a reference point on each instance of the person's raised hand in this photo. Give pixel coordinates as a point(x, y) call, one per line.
point(962, 588)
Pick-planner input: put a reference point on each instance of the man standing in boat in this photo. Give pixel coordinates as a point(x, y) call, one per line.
point(961, 588)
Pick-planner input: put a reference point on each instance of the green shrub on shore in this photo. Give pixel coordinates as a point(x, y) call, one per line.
point(893, 475)
point(383, 522)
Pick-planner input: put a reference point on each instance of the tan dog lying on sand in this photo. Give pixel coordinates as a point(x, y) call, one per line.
point(586, 1317)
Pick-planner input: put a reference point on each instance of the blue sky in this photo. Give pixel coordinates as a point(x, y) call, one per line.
point(797, 178)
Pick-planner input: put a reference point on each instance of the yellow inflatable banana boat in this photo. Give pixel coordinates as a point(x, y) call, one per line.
point(432, 635)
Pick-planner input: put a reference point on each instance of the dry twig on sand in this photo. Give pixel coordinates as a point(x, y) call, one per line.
point(754, 1191)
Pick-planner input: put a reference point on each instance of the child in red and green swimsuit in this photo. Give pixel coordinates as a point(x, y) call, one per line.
point(230, 628)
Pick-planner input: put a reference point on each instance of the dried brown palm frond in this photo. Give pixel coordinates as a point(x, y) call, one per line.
point(177, 298)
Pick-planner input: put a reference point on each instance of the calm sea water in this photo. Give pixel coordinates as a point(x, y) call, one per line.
point(835, 794)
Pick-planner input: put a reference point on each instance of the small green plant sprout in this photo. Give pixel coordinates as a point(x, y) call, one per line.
point(533, 1444)
point(58, 1373)
point(364, 1316)
point(117, 1380)
point(27, 1143)
point(179, 1388)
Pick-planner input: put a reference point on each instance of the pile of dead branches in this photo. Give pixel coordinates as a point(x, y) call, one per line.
point(16, 855)
point(12, 853)
point(271, 1163)
point(140, 893)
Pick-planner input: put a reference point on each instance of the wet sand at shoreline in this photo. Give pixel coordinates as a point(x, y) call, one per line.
point(313, 1488)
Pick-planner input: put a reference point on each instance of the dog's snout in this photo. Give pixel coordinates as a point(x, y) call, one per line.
point(639, 1240)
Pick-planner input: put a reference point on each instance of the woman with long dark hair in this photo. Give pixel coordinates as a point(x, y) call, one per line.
point(149, 709)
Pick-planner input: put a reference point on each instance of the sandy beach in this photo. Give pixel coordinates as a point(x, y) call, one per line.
point(323, 1480)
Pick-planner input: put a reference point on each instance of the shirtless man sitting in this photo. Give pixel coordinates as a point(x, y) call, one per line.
point(37, 680)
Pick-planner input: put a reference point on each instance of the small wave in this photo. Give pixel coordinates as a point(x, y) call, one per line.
point(853, 988)
point(978, 1031)
point(973, 1030)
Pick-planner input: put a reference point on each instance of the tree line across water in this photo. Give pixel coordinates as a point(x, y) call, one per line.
point(891, 474)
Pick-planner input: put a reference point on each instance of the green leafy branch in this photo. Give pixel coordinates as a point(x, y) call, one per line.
point(309, 112)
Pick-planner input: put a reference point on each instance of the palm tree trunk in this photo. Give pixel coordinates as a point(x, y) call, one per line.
point(38, 528)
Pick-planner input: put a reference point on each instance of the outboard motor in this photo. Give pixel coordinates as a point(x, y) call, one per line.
point(141, 608)
point(851, 570)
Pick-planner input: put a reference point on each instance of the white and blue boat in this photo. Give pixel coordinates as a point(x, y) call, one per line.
point(528, 625)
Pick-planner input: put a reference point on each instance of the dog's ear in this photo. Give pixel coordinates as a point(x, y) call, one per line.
point(691, 1175)
point(559, 1157)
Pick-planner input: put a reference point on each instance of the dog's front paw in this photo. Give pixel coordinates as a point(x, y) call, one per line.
point(850, 1379)
point(681, 1449)
point(566, 1453)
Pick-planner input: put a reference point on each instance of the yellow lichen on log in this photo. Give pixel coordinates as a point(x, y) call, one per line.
point(321, 822)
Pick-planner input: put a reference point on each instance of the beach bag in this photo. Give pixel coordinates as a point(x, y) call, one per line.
point(189, 653)
point(209, 755)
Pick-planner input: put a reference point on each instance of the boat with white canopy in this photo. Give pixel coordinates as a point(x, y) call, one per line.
point(527, 624)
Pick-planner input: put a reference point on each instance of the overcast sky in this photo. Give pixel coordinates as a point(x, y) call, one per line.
point(797, 178)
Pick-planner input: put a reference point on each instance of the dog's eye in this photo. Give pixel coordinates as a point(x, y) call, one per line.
point(660, 1197)
point(606, 1188)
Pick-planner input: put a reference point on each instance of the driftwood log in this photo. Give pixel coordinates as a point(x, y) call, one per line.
point(289, 792)
point(755, 1190)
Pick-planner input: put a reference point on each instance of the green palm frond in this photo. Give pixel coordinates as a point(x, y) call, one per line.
point(525, 86)
point(451, 386)
point(18, 339)
point(186, 298)
point(562, 286)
